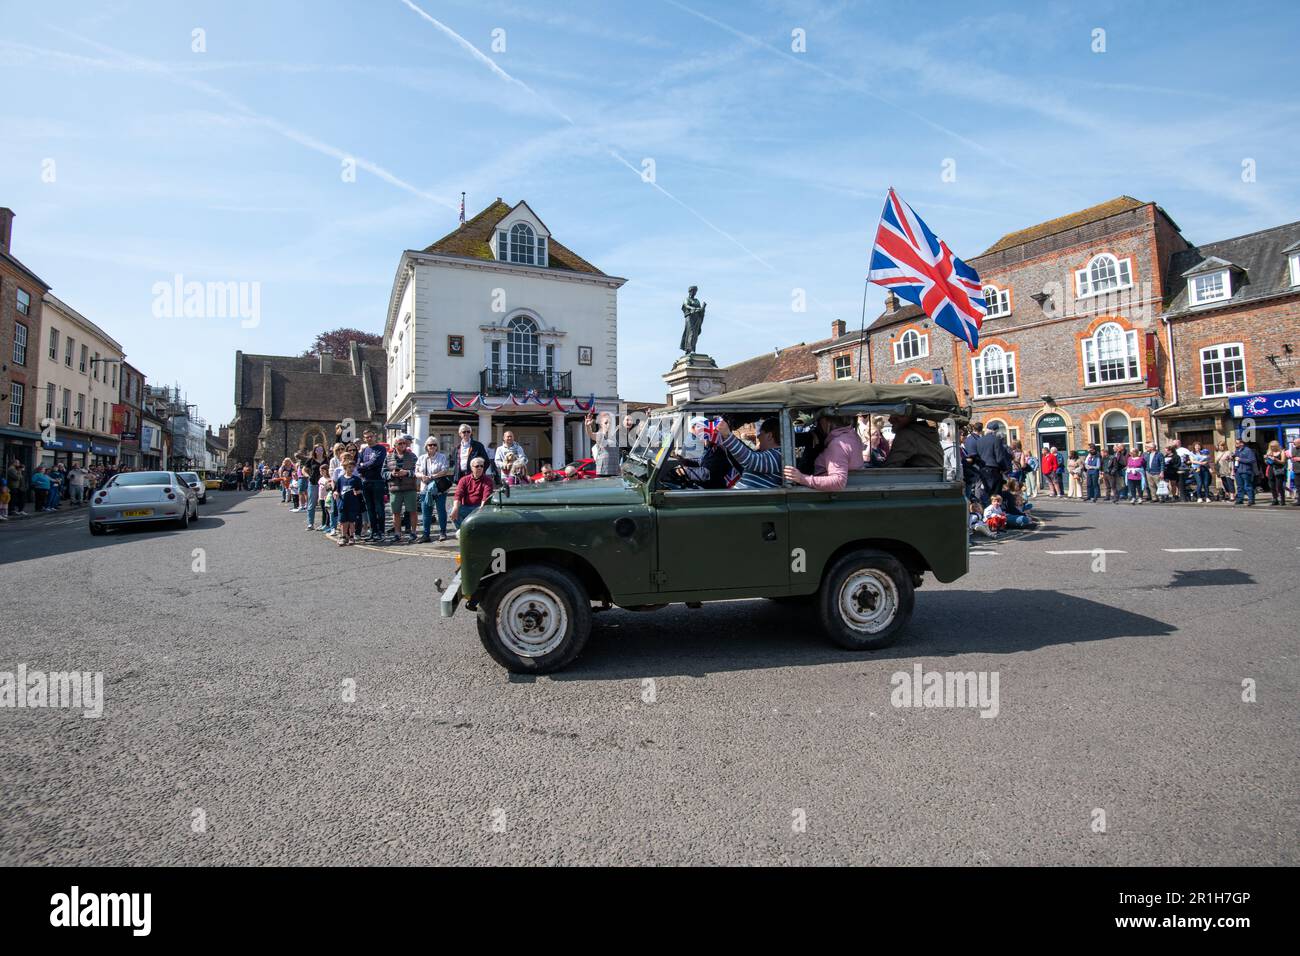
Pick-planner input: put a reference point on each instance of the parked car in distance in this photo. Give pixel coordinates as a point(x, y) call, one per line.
point(134, 497)
point(537, 561)
point(585, 468)
point(198, 483)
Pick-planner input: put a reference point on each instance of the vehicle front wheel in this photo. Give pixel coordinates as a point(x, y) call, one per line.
point(866, 600)
point(535, 619)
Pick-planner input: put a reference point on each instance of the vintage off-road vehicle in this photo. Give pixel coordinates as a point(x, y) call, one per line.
point(536, 558)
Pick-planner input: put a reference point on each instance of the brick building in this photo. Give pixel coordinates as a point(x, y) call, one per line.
point(286, 404)
point(21, 292)
point(1232, 324)
point(1070, 350)
point(128, 415)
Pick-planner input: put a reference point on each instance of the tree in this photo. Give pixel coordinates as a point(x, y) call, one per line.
point(336, 342)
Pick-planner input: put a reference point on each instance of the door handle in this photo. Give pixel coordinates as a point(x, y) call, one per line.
point(769, 531)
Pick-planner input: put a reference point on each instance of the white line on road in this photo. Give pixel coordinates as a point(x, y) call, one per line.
point(973, 553)
point(1093, 551)
point(1195, 550)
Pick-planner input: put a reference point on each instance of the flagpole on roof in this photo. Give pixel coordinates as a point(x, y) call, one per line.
point(862, 331)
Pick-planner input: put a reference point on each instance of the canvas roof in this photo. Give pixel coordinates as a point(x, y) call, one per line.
point(927, 401)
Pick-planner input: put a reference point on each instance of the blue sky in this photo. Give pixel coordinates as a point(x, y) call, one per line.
point(770, 164)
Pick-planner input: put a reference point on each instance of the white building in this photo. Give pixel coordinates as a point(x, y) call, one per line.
point(78, 367)
point(499, 325)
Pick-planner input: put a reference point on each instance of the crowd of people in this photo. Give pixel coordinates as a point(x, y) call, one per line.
point(379, 492)
point(1119, 473)
point(48, 487)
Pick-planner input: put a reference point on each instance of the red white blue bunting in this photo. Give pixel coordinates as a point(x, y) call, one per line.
point(529, 397)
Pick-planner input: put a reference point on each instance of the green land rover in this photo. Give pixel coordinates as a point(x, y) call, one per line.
point(538, 560)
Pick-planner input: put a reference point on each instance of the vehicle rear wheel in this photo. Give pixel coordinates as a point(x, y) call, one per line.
point(183, 521)
point(866, 600)
point(535, 619)
point(96, 528)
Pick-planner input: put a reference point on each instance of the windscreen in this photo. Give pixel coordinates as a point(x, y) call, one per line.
point(137, 478)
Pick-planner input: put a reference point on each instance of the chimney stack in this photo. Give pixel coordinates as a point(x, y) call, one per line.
point(891, 302)
point(838, 327)
point(6, 227)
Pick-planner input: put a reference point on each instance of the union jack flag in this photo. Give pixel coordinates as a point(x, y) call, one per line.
point(919, 267)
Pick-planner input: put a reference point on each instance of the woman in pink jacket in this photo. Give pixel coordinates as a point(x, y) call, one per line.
point(842, 454)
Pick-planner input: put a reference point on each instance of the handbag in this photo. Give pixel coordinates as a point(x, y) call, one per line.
point(442, 483)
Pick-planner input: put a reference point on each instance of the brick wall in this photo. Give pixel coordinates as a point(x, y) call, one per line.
point(11, 280)
point(1265, 329)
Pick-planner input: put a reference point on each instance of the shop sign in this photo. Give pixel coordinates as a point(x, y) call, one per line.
point(1267, 404)
point(1048, 422)
point(1153, 366)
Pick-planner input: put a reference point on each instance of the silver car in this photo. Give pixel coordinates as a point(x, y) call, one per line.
point(136, 496)
point(194, 481)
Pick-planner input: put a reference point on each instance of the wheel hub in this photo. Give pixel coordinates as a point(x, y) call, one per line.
point(531, 620)
point(868, 600)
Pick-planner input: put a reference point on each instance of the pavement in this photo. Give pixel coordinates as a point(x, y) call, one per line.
point(272, 698)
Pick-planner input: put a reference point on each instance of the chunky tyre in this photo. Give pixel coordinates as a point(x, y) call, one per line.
point(97, 528)
point(535, 619)
point(865, 601)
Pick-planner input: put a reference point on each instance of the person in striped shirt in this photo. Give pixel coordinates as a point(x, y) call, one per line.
point(761, 468)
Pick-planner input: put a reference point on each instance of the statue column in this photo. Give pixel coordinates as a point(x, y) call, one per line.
point(557, 440)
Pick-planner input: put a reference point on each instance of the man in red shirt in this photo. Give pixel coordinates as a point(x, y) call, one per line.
point(1051, 466)
point(471, 491)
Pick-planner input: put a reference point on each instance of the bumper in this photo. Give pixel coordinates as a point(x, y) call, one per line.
point(106, 516)
point(451, 596)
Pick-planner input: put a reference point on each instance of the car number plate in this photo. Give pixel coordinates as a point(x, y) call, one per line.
point(137, 513)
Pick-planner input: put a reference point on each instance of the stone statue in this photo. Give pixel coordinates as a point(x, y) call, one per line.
point(693, 310)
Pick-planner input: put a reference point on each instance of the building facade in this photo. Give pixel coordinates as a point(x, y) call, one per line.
point(79, 371)
point(284, 405)
point(21, 293)
point(128, 415)
point(1069, 353)
point(500, 325)
point(1232, 325)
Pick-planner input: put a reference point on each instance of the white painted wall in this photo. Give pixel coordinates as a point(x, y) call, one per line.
point(456, 300)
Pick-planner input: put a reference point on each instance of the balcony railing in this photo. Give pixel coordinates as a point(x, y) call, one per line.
point(514, 381)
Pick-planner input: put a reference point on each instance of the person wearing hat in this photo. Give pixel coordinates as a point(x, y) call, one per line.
point(400, 468)
point(915, 444)
point(995, 460)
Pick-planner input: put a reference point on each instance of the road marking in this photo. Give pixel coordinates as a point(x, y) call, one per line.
point(1195, 550)
point(1093, 551)
point(977, 553)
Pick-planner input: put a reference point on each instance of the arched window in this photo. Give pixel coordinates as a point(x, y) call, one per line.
point(1110, 355)
point(1114, 427)
point(994, 372)
point(521, 345)
point(522, 244)
point(1104, 274)
point(998, 301)
point(914, 379)
point(912, 345)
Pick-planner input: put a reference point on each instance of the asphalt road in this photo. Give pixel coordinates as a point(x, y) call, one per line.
point(226, 736)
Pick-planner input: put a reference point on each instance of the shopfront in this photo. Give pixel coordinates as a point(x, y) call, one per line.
point(1052, 429)
point(19, 445)
point(1265, 417)
point(66, 451)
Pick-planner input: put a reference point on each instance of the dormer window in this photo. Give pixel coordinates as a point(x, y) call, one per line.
point(521, 245)
point(998, 301)
point(1104, 273)
point(1209, 287)
point(1295, 268)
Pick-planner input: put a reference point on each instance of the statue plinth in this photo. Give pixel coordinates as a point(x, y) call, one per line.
point(694, 376)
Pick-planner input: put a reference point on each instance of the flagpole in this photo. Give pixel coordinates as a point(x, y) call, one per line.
point(862, 331)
